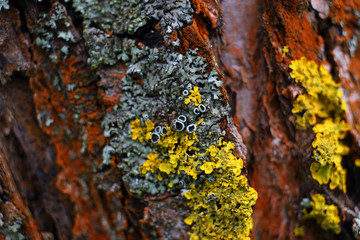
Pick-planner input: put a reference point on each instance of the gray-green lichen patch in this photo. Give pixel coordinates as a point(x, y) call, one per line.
point(353, 42)
point(4, 4)
point(6, 73)
point(107, 22)
point(154, 88)
point(11, 229)
point(172, 16)
point(105, 49)
point(117, 16)
point(44, 118)
point(55, 32)
point(156, 83)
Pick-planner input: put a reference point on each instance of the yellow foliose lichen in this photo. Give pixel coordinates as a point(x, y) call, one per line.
point(141, 133)
point(322, 107)
point(194, 97)
point(285, 50)
point(328, 151)
point(323, 96)
point(151, 164)
point(299, 231)
point(327, 216)
point(357, 162)
point(221, 207)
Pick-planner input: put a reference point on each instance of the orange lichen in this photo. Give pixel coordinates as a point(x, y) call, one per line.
point(209, 9)
point(299, 34)
point(15, 203)
point(197, 35)
point(79, 121)
point(337, 11)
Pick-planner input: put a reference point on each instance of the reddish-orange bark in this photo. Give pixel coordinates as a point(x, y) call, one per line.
point(55, 110)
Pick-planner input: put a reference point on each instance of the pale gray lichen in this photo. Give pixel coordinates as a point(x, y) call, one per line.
point(164, 76)
point(154, 83)
point(4, 4)
point(356, 226)
point(105, 49)
point(11, 229)
point(172, 16)
point(118, 16)
point(353, 42)
point(105, 21)
point(54, 32)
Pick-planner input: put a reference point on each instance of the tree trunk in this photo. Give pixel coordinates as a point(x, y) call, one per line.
point(132, 119)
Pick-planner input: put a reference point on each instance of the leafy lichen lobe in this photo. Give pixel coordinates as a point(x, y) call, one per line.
point(322, 100)
point(327, 216)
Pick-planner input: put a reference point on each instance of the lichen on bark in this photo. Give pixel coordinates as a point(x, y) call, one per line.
point(166, 89)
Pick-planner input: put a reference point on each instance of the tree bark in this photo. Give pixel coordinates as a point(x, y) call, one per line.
point(72, 79)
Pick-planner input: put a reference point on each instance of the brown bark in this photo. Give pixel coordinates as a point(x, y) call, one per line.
point(257, 74)
point(54, 186)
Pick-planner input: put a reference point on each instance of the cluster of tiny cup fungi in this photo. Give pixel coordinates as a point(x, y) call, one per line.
point(180, 123)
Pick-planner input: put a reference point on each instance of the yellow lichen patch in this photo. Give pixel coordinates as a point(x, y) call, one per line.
point(221, 207)
point(207, 167)
point(322, 103)
point(299, 231)
point(327, 216)
point(149, 127)
point(194, 97)
point(285, 50)
point(328, 151)
point(151, 163)
point(141, 133)
point(173, 148)
point(323, 96)
point(357, 162)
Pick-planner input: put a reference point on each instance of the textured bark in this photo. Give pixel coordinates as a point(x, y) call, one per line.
point(53, 103)
point(257, 75)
